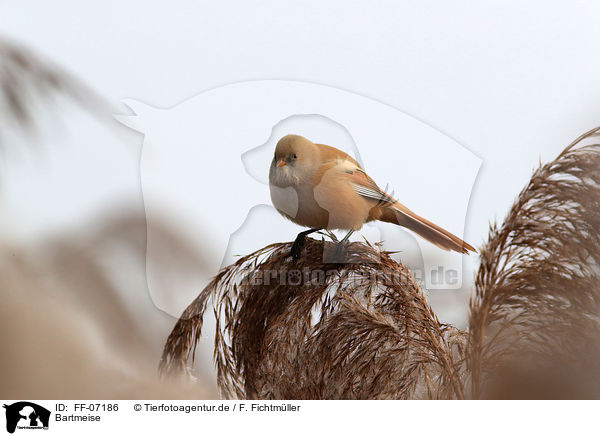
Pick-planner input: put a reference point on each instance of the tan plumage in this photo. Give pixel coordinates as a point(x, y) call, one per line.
point(321, 187)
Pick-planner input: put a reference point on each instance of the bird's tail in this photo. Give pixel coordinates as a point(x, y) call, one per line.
point(402, 216)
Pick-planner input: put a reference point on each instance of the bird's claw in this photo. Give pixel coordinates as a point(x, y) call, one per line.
point(297, 247)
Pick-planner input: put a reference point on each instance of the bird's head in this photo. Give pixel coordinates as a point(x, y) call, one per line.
point(294, 157)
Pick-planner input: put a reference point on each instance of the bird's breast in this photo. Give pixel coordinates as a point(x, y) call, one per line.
point(285, 200)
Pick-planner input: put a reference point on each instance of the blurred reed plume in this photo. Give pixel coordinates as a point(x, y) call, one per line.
point(534, 327)
point(72, 323)
point(26, 80)
point(65, 329)
point(365, 331)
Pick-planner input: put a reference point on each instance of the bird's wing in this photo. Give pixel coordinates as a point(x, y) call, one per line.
point(329, 153)
point(363, 184)
point(366, 187)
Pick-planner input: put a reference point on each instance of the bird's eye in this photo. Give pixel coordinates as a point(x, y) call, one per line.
point(295, 156)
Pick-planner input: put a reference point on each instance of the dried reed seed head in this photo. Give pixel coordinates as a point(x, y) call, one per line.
point(537, 293)
point(314, 329)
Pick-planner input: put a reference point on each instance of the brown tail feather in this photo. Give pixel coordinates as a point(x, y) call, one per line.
point(399, 214)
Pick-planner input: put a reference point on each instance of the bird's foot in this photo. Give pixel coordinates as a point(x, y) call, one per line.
point(298, 244)
point(297, 247)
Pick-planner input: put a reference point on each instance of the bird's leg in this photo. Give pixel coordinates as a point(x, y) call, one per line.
point(345, 238)
point(339, 249)
point(332, 236)
point(299, 242)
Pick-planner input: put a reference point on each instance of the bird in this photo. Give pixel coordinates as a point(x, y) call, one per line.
point(323, 188)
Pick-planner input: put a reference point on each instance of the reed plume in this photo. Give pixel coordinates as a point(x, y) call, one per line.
point(535, 311)
point(312, 329)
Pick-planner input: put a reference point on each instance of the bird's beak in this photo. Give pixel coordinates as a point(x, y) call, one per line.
point(281, 163)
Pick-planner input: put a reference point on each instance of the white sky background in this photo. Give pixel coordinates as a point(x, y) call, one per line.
point(513, 82)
